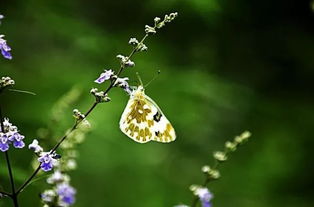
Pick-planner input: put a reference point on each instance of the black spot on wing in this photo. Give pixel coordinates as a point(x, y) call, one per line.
point(157, 116)
point(156, 133)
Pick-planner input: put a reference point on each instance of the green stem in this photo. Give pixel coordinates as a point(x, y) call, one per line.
point(13, 195)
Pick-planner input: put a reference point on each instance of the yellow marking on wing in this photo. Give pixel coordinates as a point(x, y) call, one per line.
point(165, 136)
point(148, 133)
point(138, 112)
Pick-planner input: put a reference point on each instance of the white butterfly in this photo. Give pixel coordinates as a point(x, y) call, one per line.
point(143, 121)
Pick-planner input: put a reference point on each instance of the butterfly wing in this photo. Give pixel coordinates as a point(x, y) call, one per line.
point(162, 128)
point(143, 121)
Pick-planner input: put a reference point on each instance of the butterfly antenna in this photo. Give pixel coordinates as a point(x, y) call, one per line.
point(156, 75)
point(139, 78)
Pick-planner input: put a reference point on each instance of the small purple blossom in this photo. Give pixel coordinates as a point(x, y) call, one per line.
point(4, 142)
point(204, 195)
point(5, 49)
point(66, 193)
point(104, 76)
point(17, 140)
point(47, 161)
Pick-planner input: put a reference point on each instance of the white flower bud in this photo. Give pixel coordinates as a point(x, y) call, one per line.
point(133, 41)
point(149, 29)
point(205, 169)
point(220, 156)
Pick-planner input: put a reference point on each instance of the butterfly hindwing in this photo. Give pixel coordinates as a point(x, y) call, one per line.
point(143, 121)
point(162, 128)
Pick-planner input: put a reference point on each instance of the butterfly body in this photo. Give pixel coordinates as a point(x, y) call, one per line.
point(143, 121)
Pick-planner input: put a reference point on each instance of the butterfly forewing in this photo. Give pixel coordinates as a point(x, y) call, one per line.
point(143, 121)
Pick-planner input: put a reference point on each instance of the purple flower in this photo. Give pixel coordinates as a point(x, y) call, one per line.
point(47, 161)
point(17, 140)
point(5, 49)
point(204, 195)
point(66, 193)
point(10, 135)
point(4, 142)
point(104, 76)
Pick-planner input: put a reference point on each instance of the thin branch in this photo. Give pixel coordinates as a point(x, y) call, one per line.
point(5, 193)
point(28, 180)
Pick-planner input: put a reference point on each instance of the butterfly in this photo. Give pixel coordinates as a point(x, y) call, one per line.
point(143, 121)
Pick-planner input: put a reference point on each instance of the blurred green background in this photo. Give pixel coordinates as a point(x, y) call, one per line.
point(226, 66)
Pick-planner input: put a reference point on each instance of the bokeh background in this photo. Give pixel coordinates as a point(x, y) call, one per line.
point(226, 66)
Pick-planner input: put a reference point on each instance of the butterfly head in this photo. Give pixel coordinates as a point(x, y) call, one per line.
point(138, 93)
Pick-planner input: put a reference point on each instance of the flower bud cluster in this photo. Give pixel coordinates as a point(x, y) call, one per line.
point(100, 96)
point(210, 173)
point(159, 24)
point(125, 61)
point(220, 156)
point(139, 46)
point(79, 116)
point(6, 82)
point(150, 30)
point(242, 138)
point(231, 146)
point(9, 135)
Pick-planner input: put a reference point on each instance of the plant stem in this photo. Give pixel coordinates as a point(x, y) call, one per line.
point(13, 195)
point(28, 180)
point(122, 67)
